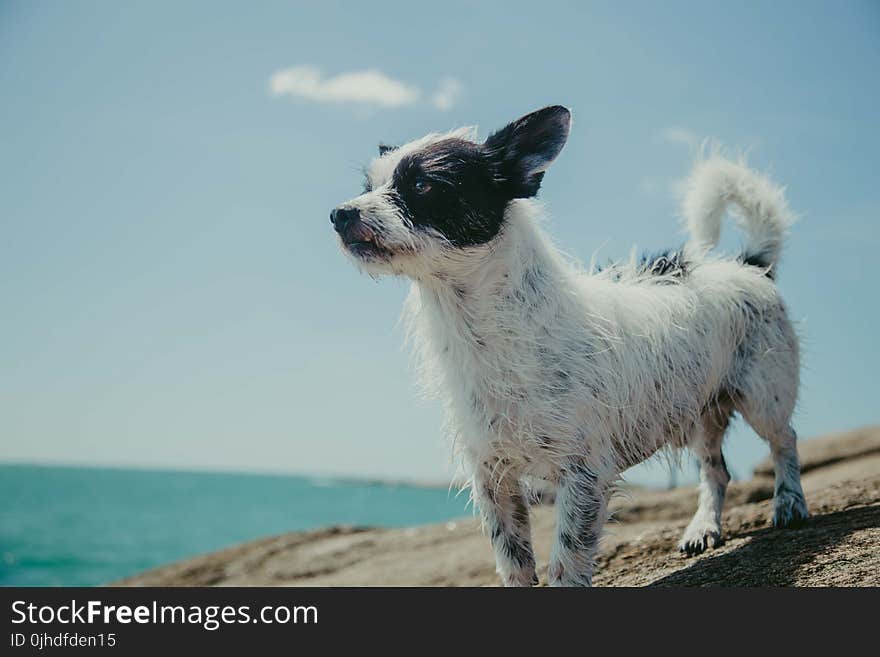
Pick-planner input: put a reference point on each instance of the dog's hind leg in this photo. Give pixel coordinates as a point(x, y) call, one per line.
point(764, 382)
point(789, 504)
point(769, 412)
point(704, 530)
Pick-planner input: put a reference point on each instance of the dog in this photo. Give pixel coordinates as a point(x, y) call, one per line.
point(571, 376)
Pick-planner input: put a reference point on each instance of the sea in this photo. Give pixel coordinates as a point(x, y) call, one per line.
point(78, 526)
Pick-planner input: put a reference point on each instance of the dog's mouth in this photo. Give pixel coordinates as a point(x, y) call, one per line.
point(360, 240)
point(368, 249)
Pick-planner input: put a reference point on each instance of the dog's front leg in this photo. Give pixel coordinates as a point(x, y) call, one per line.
point(505, 513)
point(581, 513)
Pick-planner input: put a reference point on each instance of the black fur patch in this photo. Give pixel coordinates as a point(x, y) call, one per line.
point(664, 263)
point(758, 260)
point(669, 263)
point(450, 186)
point(461, 189)
point(523, 149)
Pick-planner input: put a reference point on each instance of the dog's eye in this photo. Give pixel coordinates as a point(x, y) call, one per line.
point(422, 186)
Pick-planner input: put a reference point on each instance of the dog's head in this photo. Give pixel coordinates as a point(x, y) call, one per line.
point(430, 202)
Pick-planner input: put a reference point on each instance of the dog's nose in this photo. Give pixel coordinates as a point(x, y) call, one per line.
point(341, 217)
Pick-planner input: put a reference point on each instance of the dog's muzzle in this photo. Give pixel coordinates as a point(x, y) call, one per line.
point(357, 237)
point(341, 218)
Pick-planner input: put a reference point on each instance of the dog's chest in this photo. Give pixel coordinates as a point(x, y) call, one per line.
point(495, 370)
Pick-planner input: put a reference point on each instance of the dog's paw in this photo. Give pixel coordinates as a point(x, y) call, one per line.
point(557, 576)
point(789, 509)
point(699, 537)
point(519, 578)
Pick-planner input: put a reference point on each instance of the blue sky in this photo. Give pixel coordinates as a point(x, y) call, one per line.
point(172, 294)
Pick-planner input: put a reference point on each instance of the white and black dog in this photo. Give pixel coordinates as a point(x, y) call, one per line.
point(572, 376)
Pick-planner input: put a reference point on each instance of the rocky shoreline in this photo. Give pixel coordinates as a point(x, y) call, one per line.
point(838, 546)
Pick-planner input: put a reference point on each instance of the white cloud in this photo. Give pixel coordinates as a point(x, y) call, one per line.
point(448, 93)
point(676, 135)
point(367, 87)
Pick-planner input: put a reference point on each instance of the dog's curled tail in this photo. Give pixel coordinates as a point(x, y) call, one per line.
point(763, 212)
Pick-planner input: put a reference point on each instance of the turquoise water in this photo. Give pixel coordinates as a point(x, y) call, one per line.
point(64, 526)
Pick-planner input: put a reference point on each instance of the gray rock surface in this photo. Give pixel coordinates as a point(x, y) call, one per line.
point(838, 546)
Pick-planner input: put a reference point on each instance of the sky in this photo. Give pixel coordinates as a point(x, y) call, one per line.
point(171, 292)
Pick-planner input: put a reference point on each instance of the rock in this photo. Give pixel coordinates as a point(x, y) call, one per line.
point(838, 546)
point(830, 449)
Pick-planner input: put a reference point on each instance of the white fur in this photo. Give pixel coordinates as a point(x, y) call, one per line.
point(763, 211)
point(570, 376)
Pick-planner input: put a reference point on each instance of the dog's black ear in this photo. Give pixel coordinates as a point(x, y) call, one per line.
point(523, 150)
point(385, 148)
